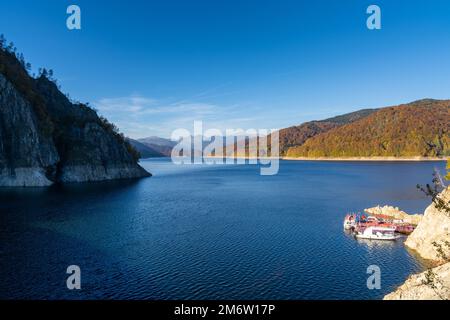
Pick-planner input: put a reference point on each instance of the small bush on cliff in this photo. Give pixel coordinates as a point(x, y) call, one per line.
point(432, 280)
point(132, 150)
point(441, 249)
point(434, 191)
point(114, 130)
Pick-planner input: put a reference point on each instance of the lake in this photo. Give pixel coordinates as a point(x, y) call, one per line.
point(209, 232)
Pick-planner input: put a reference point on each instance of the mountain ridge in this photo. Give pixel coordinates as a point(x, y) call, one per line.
point(145, 151)
point(297, 135)
point(160, 145)
point(417, 129)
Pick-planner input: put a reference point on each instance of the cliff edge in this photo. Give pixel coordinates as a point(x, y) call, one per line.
point(430, 240)
point(47, 139)
point(432, 284)
point(430, 237)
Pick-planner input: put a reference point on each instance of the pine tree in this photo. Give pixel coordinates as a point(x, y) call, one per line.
point(22, 60)
point(2, 41)
point(43, 73)
point(10, 47)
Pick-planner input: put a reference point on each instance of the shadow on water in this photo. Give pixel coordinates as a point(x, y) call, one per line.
point(32, 197)
point(44, 231)
point(66, 189)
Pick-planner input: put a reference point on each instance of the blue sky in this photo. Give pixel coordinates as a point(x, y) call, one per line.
point(155, 66)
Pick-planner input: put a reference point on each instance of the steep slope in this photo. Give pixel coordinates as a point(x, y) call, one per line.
point(431, 238)
point(433, 284)
point(157, 141)
point(25, 150)
point(431, 241)
point(46, 139)
point(420, 128)
point(297, 135)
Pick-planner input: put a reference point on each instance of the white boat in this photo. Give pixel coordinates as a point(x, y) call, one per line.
point(372, 219)
point(377, 233)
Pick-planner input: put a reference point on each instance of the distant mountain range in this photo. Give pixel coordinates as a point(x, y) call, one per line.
point(416, 129)
point(153, 147)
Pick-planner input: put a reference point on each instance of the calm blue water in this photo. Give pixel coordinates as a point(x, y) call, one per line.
point(208, 232)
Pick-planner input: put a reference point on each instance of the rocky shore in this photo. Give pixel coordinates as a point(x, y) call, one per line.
point(429, 285)
point(431, 241)
point(368, 159)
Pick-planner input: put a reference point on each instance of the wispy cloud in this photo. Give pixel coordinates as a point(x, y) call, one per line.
point(139, 116)
point(138, 106)
point(133, 104)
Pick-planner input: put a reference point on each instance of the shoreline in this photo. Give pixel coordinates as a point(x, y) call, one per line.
point(417, 159)
point(335, 159)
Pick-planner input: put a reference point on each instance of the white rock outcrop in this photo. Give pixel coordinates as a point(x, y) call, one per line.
point(433, 284)
point(395, 213)
point(431, 238)
point(431, 241)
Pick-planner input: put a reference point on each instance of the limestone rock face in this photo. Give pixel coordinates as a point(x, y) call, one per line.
point(431, 238)
point(47, 139)
point(395, 213)
point(25, 152)
point(432, 284)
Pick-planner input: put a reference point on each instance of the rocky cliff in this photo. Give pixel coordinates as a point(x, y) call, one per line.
point(47, 139)
point(433, 284)
point(430, 240)
point(431, 236)
point(25, 151)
